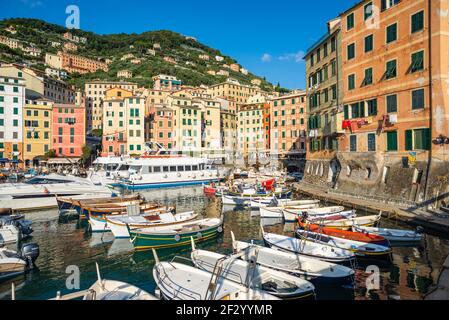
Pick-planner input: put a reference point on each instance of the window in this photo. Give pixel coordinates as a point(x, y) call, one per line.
point(372, 107)
point(418, 21)
point(387, 4)
point(355, 110)
point(351, 82)
point(422, 139)
point(392, 33)
point(353, 143)
point(371, 142)
point(351, 51)
point(369, 43)
point(392, 141)
point(391, 70)
point(350, 21)
point(368, 11)
point(368, 77)
point(417, 62)
point(392, 103)
point(418, 99)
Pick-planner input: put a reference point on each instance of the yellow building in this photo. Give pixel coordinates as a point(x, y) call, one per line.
point(234, 90)
point(37, 124)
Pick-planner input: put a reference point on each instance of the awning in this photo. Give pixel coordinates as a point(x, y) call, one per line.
point(67, 161)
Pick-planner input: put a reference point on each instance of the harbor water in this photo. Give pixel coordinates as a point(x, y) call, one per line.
point(67, 246)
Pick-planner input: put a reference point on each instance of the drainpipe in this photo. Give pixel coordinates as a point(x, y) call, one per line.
point(429, 161)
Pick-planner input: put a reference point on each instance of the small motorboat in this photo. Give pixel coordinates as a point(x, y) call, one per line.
point(209, 190)
point(319, 251)
point(393, 235)
point(118, 224)
point(277, 212)
point(316, 212)
point(347, 224)
point(252, 275)
point(294, 203)
point(292, 216)
point(345, 234)
point(108, 290)
point(257, 203)
point(361, 249)
point(98, 223)
point(176, 235)
point(13, 230)
point(9, 234)
point(178, 281)
point(13, 264)
point(115, 291)
point(308, 268)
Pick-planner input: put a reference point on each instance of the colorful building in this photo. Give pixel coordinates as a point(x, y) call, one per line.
point(159, 124)
point(232, 89)
point(135, 127)
point(37, 128)
point(12, 100)
point(167, 83)
point(288, 125)
point(69, 130)
point(115, 119)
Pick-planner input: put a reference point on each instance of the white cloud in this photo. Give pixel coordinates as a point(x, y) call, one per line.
point(32, 3)
point(266, 57)
point(296, 57)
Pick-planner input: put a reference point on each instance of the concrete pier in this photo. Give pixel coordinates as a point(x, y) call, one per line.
point(441, 291)
point(409, 215)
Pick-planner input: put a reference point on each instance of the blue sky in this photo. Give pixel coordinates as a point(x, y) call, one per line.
point(267, 37)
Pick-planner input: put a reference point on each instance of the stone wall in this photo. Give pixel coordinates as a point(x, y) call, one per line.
point(382, 176)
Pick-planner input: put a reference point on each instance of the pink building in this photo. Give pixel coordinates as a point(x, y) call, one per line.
point(160, 122)
point(69, 129)
point(167, 83)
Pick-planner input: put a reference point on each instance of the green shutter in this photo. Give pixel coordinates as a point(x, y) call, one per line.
point(346, 112)
point(427, 139)
point(392, 141)
point(409, 140)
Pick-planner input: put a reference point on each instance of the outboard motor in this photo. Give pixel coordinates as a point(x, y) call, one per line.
point(24, 227)
point(30, 252)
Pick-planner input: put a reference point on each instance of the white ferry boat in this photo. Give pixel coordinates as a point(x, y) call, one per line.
point(105, 170)
point(163, 172)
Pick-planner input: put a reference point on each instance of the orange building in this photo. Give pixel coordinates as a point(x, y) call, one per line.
point(288, 124)
point(395, 75)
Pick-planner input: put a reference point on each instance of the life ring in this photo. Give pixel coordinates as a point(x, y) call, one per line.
point(166, 176)
point(179, 175)
point(177, 238)
point(220, 229)
point(199, 235)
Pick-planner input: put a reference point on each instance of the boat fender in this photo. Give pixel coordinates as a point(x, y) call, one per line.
point(220, 229)
point(177, 238)
point(199, 235)
point(179, 175)
point(166, 176)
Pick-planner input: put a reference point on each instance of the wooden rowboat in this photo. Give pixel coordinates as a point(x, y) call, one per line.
point(348, 224)
point(345, 234)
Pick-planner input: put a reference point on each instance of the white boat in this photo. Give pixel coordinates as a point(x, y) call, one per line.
point(311, 249)
point(9, 234)
point(252, 275)
point(115, 291)
point(108, 290)
point(257, 203)
point(302, 266)
point(106, 171)
point(117, 224)
point(40, 192)
point(293, 203)
point(290, 216)
point(277, 212)
point(168, 171)
point(178, 281)
point(346, 224)
point(361, 249)
point(392, 235)
point(13, 264)
point(317, 211)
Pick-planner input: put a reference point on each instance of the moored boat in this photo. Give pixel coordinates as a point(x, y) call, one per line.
point(319, 251)
point(291, 215)
point(393, 235)
point(277, 212)
point(308, 268)
point(13, 264)
point(177, 235)
point(347, 224)
point(361, 249)
point(252, 275)
point(118, 224)
point(178, 281)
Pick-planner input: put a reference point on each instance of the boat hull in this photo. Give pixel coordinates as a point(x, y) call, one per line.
point(270, 213)
point(173, 184)
point(148, 241)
